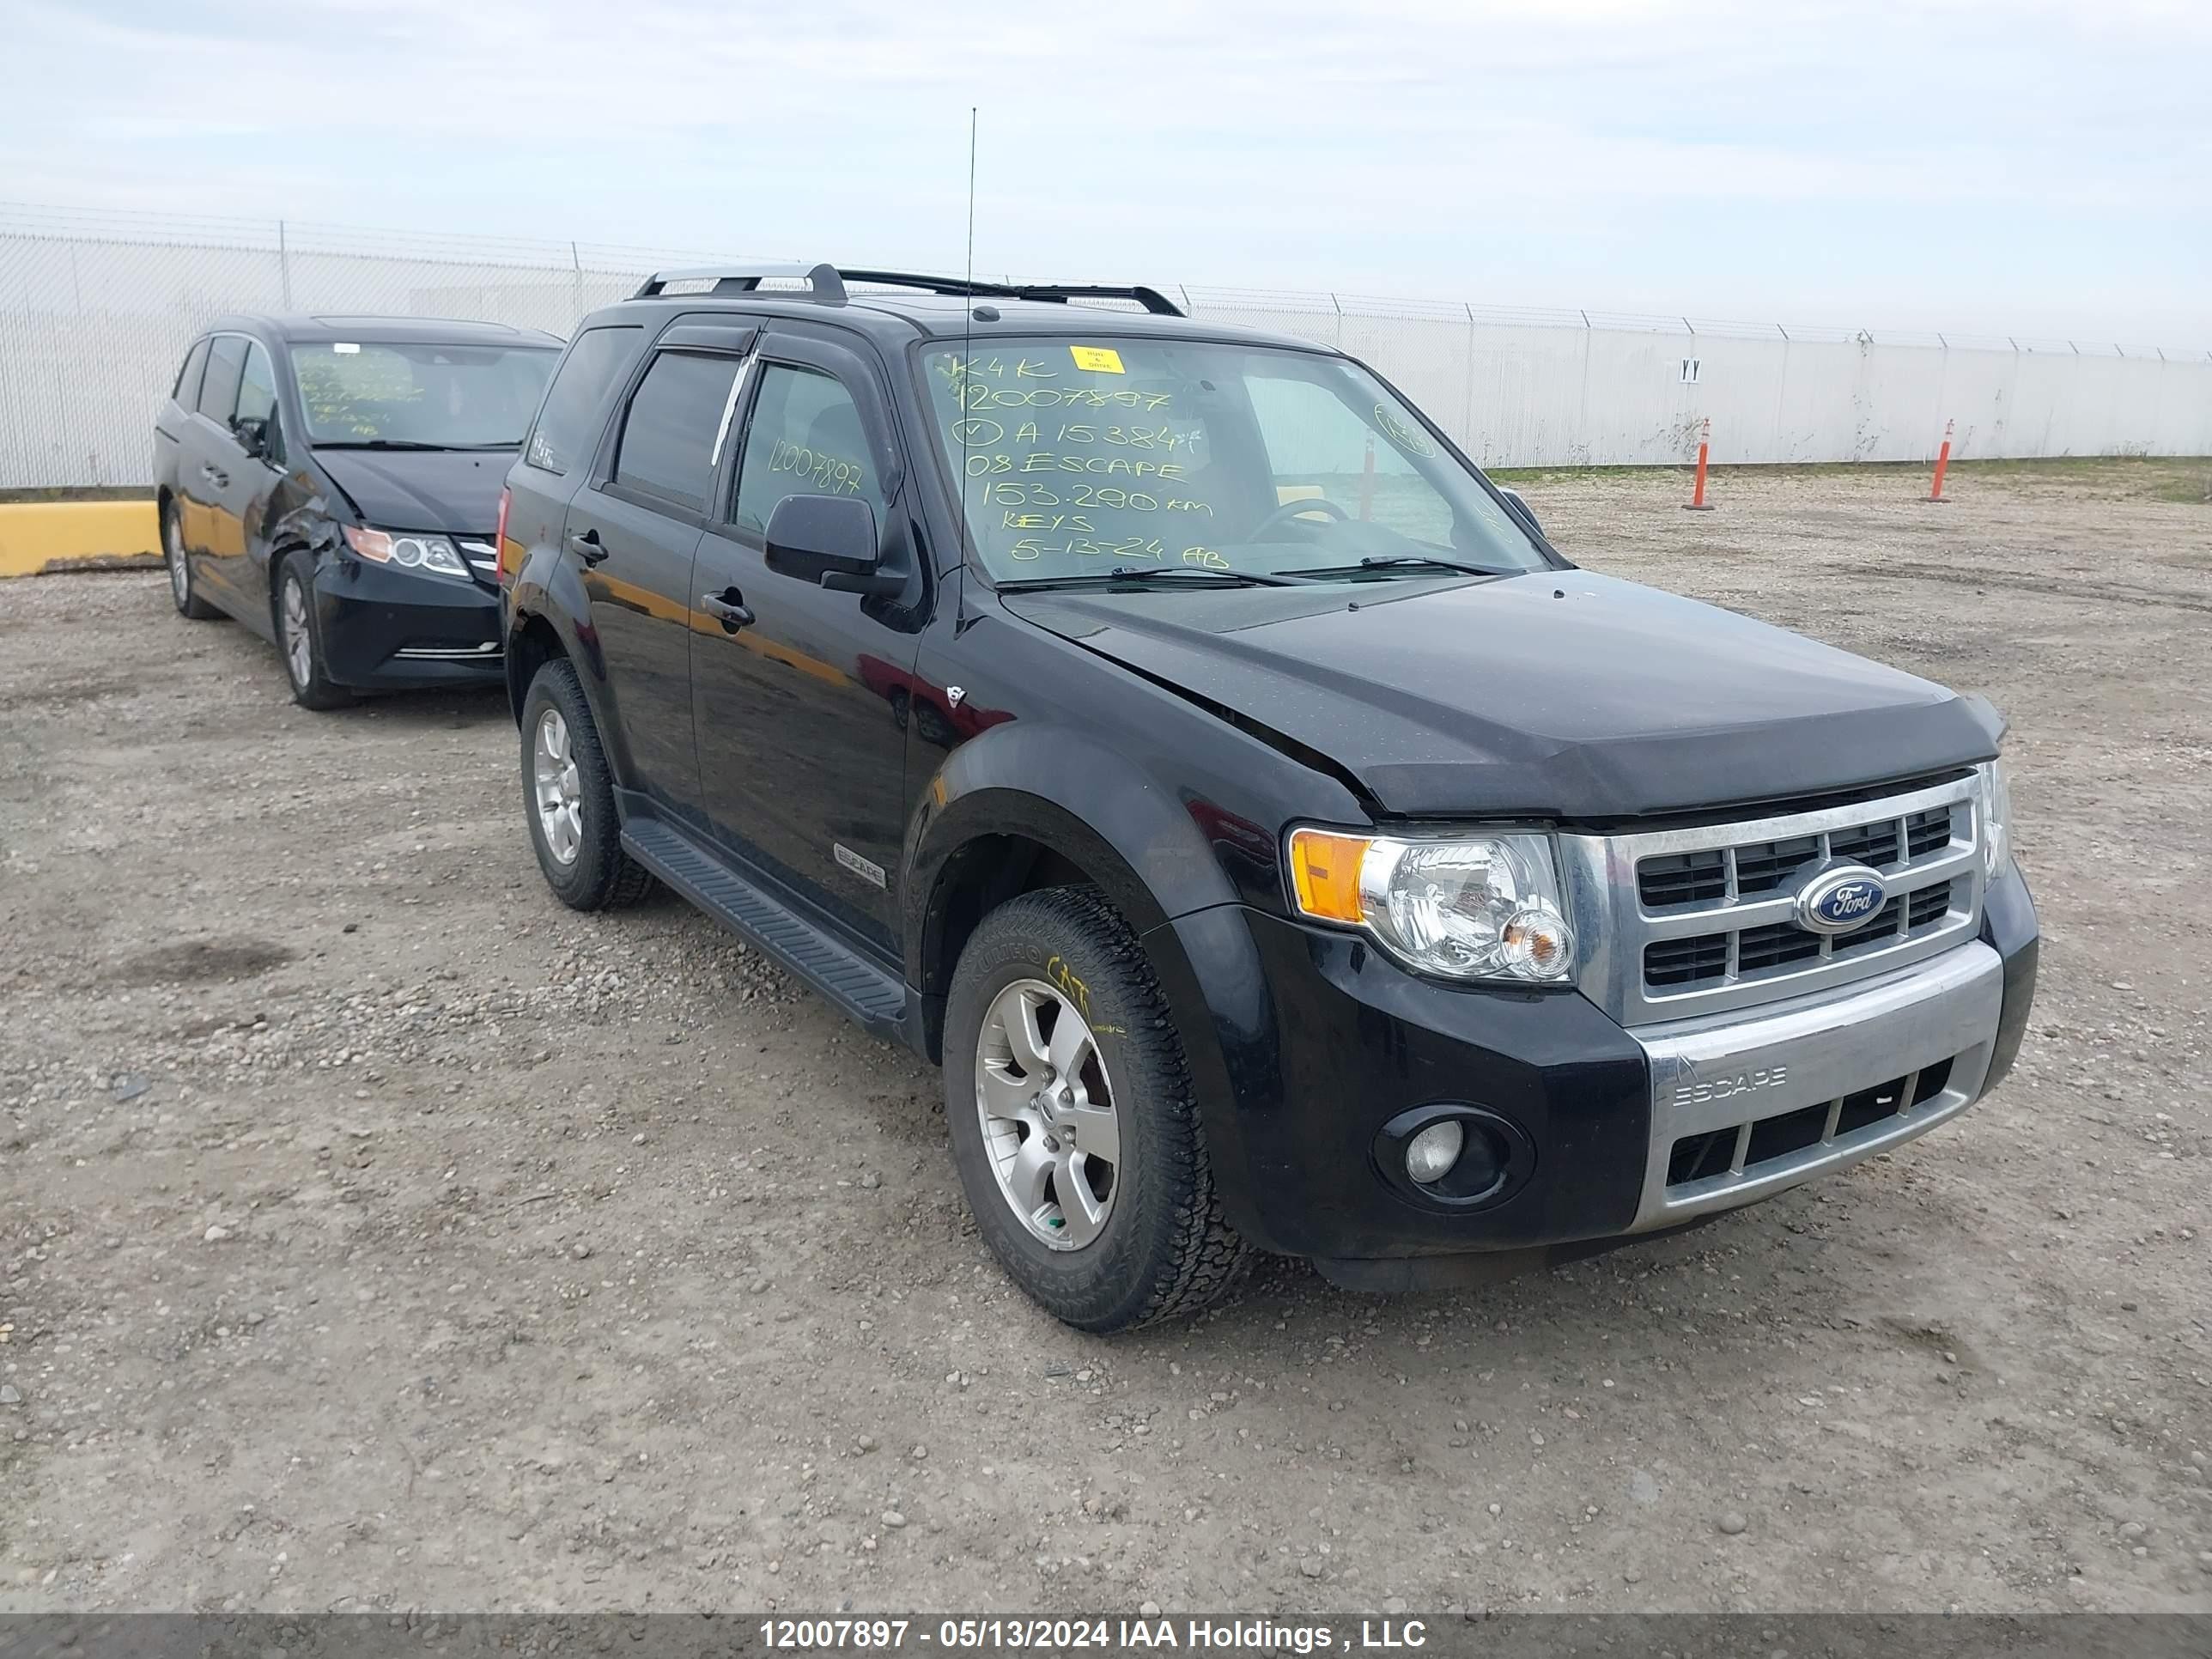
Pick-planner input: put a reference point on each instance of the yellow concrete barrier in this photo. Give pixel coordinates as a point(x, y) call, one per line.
point(40, 537)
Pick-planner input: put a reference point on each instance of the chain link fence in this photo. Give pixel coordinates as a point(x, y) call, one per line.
point(98, 309)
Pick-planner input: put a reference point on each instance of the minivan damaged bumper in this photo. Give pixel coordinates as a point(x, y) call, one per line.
point(1615, 1136)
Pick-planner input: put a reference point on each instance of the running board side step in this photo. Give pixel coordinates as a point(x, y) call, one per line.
point(877, 1000)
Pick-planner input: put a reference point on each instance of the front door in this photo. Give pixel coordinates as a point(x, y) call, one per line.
point(251, 466)
point(802, 698)
point(635, 527)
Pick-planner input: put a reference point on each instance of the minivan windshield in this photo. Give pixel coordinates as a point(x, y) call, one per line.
point(1128, 453)
point(378, 394)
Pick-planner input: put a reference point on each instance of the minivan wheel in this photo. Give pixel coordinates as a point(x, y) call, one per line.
point(188, 601)
point(1074, 1119)
point(569, 797)
point(299, 638)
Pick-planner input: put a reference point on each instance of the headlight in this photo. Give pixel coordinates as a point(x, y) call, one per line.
point(409, 550)
point(1477, 906)
point(1997, 819)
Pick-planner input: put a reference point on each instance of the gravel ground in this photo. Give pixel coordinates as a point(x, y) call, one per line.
point(376, 1234)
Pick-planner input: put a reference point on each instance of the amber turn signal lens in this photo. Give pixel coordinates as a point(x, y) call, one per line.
point(1325, 871)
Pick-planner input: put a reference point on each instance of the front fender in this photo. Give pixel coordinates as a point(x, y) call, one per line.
point(1060, 787)
point(1150, 851)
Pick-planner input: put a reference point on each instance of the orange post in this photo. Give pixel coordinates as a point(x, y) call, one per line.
point(1942, 462)
point(1696, 502)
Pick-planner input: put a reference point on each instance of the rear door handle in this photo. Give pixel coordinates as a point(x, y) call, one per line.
point(587, 546)
point(729, 608)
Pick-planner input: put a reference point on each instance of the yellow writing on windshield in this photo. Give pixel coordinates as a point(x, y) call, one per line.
point(982, 394)
point(1046, 461)
point(1068, 466)
point(1091, 547)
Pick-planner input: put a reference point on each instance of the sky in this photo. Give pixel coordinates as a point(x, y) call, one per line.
point(2022, 168)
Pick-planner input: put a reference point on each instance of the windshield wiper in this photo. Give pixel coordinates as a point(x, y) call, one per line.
point(1400, 561)
point(404, 443)
point(1132, 574)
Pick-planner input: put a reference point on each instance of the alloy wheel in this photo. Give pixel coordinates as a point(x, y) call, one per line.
point(172, 545)
point(559, 791)
point(1046, 1107)
point(299, 643)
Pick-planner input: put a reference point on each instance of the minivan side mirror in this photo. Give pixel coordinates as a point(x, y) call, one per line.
point(1514, 501)
point(252, 436)
point(830, 541)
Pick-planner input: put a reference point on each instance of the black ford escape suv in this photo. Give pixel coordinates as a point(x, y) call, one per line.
point(1279, 843)
point(333, 482)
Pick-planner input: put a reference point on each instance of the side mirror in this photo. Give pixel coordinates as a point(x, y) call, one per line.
point(252, 436)
point(830, 541)
point(1513, 499)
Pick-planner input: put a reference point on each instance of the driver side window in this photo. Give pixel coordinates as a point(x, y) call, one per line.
point(806, 439)
point(1319, 447)
point(256, 398)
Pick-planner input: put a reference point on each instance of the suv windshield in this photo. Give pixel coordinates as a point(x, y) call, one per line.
point(421, 397)
point(1082, 458)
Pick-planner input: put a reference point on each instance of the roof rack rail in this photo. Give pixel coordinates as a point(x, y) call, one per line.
point(823, 281)
point(826, 284)
point(1151, 297)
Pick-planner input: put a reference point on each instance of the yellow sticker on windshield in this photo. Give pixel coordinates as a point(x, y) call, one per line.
point(1102, 360)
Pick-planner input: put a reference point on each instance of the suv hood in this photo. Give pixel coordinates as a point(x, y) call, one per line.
point(1556, 694)
point(452, 490)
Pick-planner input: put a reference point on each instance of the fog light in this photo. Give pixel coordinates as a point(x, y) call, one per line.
point(1430, 1154)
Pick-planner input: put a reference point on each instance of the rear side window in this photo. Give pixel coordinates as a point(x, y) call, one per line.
point(566, 429)
point(186, 390)
point(668, 437)
point(219, 391)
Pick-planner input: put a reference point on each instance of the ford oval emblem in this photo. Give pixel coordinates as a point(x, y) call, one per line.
point(1840, 898)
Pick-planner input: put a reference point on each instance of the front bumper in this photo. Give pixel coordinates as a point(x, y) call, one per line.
point(1744, 1105)
point(1628, 1133)
point(386, 630)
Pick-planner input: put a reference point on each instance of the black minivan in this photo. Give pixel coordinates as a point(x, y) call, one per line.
point(333, 483)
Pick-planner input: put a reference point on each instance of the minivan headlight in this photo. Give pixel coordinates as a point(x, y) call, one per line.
point(1997, 819)
point(410, 550)
point(1475, 906)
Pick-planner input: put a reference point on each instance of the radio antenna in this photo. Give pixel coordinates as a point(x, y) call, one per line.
point(967, 331)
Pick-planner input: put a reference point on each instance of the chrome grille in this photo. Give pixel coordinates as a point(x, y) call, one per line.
point(1678, 922)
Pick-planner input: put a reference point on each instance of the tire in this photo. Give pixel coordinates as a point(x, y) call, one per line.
point(584, 864)
point(300, 638)
point(183, 592)
point(1157, 1246)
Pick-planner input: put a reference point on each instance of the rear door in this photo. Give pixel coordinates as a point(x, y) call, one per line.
point(175, 453)
point(208, 457)
point(634, 527)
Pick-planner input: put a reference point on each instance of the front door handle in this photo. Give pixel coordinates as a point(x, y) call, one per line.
point(729, 608)
point(587, 546)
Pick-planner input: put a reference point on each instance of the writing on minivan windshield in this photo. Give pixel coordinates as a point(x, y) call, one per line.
point(421, 395)
point(1096, 456)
